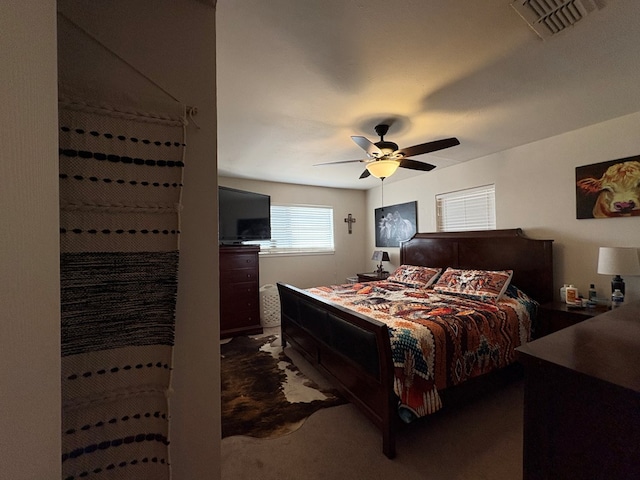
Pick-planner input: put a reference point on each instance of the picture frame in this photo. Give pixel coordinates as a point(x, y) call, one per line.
point(395, 223)
point(608, 189)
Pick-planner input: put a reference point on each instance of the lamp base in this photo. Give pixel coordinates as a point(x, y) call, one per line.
point(617, 284)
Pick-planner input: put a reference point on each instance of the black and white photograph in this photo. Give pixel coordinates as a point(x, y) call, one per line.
point(395, 224)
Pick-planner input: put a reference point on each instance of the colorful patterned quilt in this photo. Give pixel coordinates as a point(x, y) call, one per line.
point(438, 340)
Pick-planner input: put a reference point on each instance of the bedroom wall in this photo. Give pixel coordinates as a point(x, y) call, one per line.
point(173, 44)
point(535, 190)
point(310, 270)
point(29, 251)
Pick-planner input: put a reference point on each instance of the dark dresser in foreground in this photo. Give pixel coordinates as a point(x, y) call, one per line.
point(582, 399)
point(239, 291)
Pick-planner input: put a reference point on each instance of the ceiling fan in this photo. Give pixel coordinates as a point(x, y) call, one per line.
point(384, 158)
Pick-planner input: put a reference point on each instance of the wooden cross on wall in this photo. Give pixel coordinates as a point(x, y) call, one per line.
point(350, 220)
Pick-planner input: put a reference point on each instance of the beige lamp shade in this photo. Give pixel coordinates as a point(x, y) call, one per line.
point(380, 256)
point(618, 261)
point(383, 168)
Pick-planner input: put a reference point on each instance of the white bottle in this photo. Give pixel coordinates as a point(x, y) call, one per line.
point(563, 293)
point(617, 298)
point(572, 295)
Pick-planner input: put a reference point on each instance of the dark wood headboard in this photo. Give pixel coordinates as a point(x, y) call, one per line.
point(531, 260)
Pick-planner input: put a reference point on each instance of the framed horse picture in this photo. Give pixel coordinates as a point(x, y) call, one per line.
point(395, 224)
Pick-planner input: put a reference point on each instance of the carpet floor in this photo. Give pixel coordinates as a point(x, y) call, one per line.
point(481, 439)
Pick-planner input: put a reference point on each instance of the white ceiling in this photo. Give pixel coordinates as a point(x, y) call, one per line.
point(297, 78)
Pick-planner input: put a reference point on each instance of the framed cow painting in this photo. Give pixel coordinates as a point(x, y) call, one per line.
point(608, 189)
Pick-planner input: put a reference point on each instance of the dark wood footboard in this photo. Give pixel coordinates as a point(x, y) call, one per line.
point(352, 350)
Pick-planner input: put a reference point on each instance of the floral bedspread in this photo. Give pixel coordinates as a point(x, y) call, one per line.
point(438, 340)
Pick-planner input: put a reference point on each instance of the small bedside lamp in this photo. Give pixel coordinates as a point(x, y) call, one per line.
point(618, 261)
point(380, 256)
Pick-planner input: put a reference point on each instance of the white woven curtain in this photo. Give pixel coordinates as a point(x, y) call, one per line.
point(120, 188)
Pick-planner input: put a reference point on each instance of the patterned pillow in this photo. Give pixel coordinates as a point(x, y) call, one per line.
point(414, 275)
point(485, 285)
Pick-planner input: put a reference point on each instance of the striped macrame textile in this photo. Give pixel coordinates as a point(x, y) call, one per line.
point(120, 189)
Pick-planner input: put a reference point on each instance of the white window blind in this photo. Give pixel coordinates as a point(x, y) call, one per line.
point(300, 229)
point(469, 209)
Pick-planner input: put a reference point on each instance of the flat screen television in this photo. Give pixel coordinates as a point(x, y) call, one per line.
point(243, 216)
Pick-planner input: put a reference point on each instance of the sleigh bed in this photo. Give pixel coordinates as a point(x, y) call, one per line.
point(364, 337)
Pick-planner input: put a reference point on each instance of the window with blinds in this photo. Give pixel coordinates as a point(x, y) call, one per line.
point(300, 229)
point(469, 209)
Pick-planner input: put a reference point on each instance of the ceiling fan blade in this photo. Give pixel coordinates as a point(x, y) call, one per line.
point(365, 174)
point(364, 143)
point(341, 161)
point(416, 165)
point(429, 147)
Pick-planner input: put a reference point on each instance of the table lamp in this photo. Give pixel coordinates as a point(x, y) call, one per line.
point(618, 261)
point(380, 256)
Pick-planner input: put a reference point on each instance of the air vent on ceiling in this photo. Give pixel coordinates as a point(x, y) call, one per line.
point(549, 17)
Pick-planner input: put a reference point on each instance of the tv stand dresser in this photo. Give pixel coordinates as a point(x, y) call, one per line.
point(582, 399)
point(239, 291)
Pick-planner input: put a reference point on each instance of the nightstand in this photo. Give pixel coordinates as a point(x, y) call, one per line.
point(372, 276)
point(554, 316)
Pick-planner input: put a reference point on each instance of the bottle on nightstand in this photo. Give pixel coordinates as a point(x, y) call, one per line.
point(563, 293)
point(572, 295)
point(617, 298)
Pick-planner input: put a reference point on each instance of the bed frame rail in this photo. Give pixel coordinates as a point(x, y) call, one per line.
point(352, 350)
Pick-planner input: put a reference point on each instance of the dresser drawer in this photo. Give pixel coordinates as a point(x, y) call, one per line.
point(240, 310)
point(233, 293)
point(233, 262)
point(238, 276)
point(237, 317)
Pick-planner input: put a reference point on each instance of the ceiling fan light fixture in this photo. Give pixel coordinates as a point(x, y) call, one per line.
point(384, 158)
point(383, 168)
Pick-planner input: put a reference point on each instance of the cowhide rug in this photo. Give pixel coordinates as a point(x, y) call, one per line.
point(264, 395)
